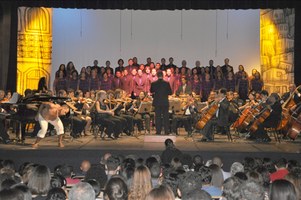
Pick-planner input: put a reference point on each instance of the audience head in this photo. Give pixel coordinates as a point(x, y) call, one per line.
point(231, 188)
point(58, 181)
point(97, 173)
point(189, 181)
point(141, 184)
point(251, 190)
point(85, 166)
point(196, 195)
point(236, 167)
point(39, 180)
point(56, 194)
point(116, 189)
point(82, 191)
point(96, 186)
point(217, 178)
point(169, 143)
point(160, 193)
point(206, 174)
point(11, 194)
point(282, 190)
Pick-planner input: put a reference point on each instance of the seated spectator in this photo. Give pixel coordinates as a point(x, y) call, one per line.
point(141, 184)
point(56, 194)
point(66, 172)
point(160, 193)
point(170, 152)
point(206, 176)
point(281, 170)
point(112, 166)
point(231, 188)
point(82, 191)
point(39, 182)
point(11, 194)
point(98, 173)
point(218, 161)
point(155, 171)
point(251, 190)
point(197, 194)
point(295, 179)
point(116, 189)
point(282, 190)
point(84, 167)
point(236, 167)
point(95, 185)
point(24, 189)
point(188, 182)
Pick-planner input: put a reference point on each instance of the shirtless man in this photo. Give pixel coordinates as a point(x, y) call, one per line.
point(49, 113)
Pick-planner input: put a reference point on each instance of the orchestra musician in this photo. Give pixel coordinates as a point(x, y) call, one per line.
point(220, 118)
point(272, 103)
point(105, 116)
point(143, 115)
point(160, 90)
point(186, 117)
point(3, 131)
point(49, 113)
point(123, 110)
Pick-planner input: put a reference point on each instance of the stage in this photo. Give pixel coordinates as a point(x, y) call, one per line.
point(92, 149)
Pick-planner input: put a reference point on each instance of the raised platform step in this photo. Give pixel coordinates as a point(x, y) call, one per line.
point(159, 138)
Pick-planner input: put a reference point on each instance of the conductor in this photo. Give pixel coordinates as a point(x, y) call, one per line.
point(160, 90)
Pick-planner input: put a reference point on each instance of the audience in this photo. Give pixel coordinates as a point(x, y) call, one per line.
point(151, 179)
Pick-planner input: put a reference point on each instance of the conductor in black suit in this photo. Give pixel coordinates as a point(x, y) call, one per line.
point(160, 90)
point(220, 118)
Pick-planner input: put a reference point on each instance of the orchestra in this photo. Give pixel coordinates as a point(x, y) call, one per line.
point(121, 101)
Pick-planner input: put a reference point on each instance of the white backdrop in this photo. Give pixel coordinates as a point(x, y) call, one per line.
point(82, 35)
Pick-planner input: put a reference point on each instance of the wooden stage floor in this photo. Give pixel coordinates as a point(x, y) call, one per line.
point(220, 144)
point(90, 148)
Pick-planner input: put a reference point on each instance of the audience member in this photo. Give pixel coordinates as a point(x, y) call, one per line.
point(160, 193)
point(82, 191)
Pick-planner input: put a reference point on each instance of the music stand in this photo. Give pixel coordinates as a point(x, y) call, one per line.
point(200, 105)
point(175, 105)
point(145, 107)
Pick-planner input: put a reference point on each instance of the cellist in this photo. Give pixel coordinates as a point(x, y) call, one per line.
point(272, 103)
point(220, 118)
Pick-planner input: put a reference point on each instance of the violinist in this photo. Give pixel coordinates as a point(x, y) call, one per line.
point(145, 116)
point(186, 118)
point(220, 118)
point(105, 116)
point(272, 103)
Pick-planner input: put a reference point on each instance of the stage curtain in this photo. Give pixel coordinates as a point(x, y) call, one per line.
point(8, 46)
point(9, 24)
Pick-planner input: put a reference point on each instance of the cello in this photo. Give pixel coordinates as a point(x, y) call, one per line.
point(286, 107)
point(207, 116)
point(265, 113)
point(295, 122)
